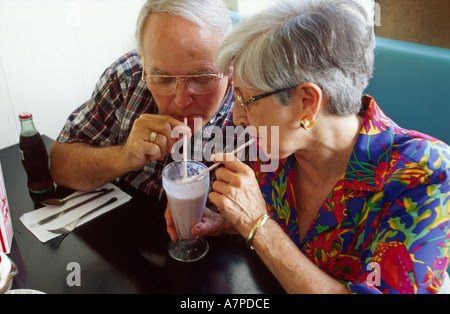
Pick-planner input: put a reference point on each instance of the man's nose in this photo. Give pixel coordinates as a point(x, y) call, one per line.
point(183, 96)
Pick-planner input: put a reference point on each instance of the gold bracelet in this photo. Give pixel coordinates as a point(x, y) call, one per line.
point(258, 224)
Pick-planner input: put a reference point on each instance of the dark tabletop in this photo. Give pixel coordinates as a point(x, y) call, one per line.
point(123, 251)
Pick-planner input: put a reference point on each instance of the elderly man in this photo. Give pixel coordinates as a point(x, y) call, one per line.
point(125, 129)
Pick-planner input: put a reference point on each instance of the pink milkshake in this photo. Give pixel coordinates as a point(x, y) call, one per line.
point(187, 201)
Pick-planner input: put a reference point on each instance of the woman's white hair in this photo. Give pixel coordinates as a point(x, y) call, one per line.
point(212, 15)
point(326, 42)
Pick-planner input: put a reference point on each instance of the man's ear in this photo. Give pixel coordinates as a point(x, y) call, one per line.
point(141, 59)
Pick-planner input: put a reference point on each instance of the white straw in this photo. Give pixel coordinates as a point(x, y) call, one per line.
point(185, 152)
point(237, 150)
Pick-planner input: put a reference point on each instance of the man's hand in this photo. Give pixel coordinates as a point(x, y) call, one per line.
point(139, 149)
point(91, 167)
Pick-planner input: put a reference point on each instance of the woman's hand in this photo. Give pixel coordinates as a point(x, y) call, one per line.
point(237, 194)
point(212, 224)
point(170, 224)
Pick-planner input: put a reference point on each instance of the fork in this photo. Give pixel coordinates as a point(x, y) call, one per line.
point(68, 228)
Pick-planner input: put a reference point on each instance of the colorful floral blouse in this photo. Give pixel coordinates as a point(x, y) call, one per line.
point(384, 228)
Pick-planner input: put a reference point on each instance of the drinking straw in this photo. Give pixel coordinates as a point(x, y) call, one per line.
point(237, 150)
point(185, 152)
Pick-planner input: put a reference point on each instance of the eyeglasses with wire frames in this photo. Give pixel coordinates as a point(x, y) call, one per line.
point(199, 84)
point(241, 102)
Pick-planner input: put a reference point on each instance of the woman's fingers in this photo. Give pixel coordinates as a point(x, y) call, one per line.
point(170, 224)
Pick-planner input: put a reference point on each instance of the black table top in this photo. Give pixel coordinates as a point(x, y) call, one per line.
point(123, 251)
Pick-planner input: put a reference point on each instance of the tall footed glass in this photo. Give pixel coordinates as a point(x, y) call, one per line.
point(187, 201)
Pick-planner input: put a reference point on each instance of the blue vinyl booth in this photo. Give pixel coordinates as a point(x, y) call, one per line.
point(411, 83)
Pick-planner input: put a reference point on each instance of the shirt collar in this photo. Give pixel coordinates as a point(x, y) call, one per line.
point(371, 155)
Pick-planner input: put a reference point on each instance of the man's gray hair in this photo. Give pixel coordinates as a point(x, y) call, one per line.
point(326, 42)
point(212, 15)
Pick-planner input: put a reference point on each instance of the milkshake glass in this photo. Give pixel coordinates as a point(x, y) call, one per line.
point(187, 201)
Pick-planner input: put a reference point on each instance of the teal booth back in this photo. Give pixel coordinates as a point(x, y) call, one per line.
point(411, 84)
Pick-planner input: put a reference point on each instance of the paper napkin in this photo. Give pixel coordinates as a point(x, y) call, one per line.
point(42, 233)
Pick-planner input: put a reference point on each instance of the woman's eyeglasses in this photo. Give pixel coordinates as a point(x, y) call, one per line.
point(241, 102)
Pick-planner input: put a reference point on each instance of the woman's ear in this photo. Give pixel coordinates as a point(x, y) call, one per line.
point(310, 96)
point(307, 99)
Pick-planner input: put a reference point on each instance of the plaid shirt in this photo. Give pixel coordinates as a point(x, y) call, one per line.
point(119, 98)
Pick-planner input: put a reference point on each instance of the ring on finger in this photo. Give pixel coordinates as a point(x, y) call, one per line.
point(152, 137)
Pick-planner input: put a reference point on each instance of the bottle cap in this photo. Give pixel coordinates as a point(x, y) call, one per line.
point(25, 115)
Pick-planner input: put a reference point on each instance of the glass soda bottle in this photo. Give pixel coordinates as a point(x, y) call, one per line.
point(34, 156)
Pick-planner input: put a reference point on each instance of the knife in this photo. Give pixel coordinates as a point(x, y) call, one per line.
point(57, 215)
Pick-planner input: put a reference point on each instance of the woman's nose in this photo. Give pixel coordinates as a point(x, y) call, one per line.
point(239, 116)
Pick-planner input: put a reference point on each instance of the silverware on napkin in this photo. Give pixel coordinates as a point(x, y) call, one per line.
point(57, 215)
point(60, 202)
point(68, 228)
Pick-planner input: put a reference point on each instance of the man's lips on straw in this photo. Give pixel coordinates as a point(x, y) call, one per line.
point(189, 117)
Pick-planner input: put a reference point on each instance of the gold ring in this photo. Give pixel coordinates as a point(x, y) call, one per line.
point(153, 136)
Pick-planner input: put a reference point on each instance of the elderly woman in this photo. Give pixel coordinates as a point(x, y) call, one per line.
point(357, 204)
